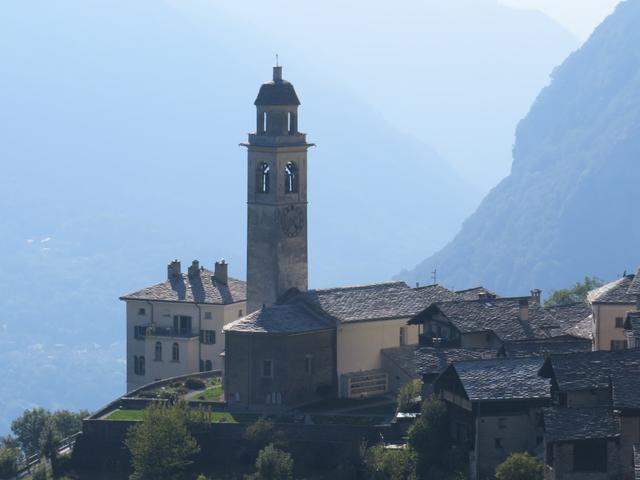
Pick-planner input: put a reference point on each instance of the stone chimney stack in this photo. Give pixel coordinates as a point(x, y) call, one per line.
point(194, 269)
point(221, 273)
point(536, 293)
point(173, 270)
point(524, 310)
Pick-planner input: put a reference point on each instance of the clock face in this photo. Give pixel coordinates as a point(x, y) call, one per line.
point(291, 220)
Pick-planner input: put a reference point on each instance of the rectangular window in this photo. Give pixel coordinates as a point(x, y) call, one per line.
point(240, 313)
point(139, 332)
point(308, 364)
point(208, 337)
point(267, 368)
point(207, 315)
point(618, 344)
point(142, 311)
point(619, 322)
point(181, 324)
point(403, 336)
point(497, 443)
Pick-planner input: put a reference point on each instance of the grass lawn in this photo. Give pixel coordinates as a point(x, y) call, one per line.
point(123, 414)
point(211, 393)
point(215, 417)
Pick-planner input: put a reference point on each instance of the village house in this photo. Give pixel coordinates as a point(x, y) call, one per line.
point(175, 327)
point(594, 422)
point(494, 408)
point(610, 305)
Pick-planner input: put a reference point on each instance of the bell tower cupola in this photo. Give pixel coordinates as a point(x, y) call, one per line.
point(276, 196)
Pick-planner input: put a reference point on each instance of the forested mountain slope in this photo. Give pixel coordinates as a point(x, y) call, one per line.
point(570, 205)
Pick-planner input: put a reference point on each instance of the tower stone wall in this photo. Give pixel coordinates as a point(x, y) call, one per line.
point(276, 197)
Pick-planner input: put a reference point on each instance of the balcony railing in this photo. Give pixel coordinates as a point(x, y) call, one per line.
point(155, 331)
point(427, 340)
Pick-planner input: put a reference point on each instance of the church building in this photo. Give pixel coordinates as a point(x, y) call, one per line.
point(298, 345)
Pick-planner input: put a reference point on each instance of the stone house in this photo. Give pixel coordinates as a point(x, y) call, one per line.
point(595, 418)
point(365, 321)
point(610, 305)
point(495, 409)
point(175, 327)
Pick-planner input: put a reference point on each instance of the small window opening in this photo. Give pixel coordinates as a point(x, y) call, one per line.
point(291, 178)
point(142, 311)
point(175, 353)
point(263, 178)
point(158, 352)
point(267, 368)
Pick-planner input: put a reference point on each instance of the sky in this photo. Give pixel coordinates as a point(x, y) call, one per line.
point(578, 16)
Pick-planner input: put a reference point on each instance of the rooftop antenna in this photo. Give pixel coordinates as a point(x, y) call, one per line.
point(434, 276)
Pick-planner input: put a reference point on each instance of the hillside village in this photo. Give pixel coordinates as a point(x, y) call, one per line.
point(557, 382)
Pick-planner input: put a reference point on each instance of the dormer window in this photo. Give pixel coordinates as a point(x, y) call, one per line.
point(291, 178)
point(263, 178)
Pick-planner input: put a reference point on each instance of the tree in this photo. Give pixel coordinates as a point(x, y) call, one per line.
point(520, 466)
point(49, 445)
point(259, 434)
point(8, 462)
point(390, 464)
point(161, 445)
point(408, 394)
point(429, 437)
point(273, 464)
point(40, 473)
point(29, 429)
point(67, 423)
point(576, 294)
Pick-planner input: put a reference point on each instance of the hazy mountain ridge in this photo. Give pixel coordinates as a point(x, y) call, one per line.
point(568, 207)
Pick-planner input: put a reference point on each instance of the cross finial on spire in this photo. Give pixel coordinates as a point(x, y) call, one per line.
point(277, 60)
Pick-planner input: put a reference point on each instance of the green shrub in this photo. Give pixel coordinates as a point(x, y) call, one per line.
point(8, 462)
point(194, 384)
point(40, 473)
point(390, 464)
point(409, 395)
point(520, 466)
point(273, 464)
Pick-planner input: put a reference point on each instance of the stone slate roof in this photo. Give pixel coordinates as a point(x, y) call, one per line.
point(430, 360)
point(592, 370)
point(277, 319)
point(474, 293)
point(501, 316)
point(502, 379)
point(575, 319)
point(277, 92)
point(376, 301)
point(636, 461)
point(570, 424)
point(203, 288)
point(622, 290)
point(543, 347)
point(625, 389)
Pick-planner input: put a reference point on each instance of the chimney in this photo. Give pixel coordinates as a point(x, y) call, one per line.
point(173, 269)
point(524, 310)
point(536, 293)
point(194, 269)
point(221, 273)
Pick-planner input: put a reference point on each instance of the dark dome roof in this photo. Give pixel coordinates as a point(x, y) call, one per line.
point(277, 92)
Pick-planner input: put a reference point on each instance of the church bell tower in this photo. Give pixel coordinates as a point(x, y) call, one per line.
point(277, 196)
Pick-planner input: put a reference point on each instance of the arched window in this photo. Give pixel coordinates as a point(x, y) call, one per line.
point(142, 366)
point(290, 178)
point(208, 366)
point(263, 178)
point(158, 352)
point(175, 354)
